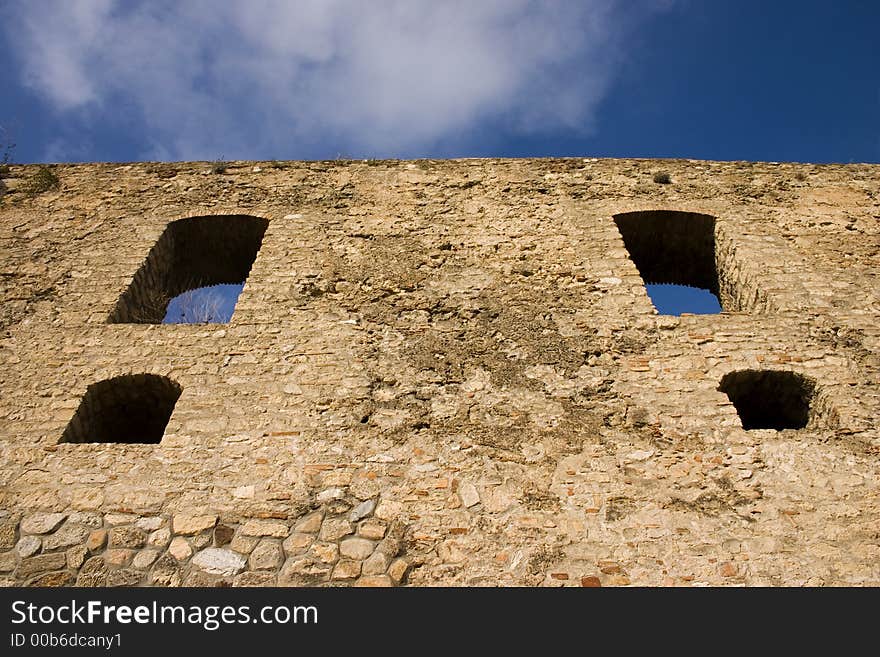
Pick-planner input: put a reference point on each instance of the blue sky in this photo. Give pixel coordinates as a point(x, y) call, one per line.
point(107, 80)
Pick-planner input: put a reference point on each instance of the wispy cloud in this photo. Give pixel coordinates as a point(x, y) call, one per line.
point(267, 78)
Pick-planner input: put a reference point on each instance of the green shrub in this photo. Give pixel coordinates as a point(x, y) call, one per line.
point(662, 178)
point(41, 181)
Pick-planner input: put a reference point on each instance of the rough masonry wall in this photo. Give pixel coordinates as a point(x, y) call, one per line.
point(445, 372)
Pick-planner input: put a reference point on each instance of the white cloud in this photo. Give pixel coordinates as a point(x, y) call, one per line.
point(277, 78)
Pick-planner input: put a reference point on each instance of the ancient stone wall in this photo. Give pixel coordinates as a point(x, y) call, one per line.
point(443, 372)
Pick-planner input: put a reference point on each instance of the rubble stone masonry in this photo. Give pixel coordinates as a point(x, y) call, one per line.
point(441, 373)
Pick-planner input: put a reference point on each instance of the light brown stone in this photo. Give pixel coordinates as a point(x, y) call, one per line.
point(334, 529)
point(266, 555)
point(96, 540)
point(144, 559)
point(159, 538)
point(87, 499)
point(374, 581)
point(310, 524)
point(76, 556)
point(186, 524)
point(346, 569)
point(127, 537)
point(28, 546)
point(39, 564)
point(118, 556)
point(298, 543)
point(8, 561)
point(41, 523)
point(7, 533)
point(244, 544)
point(326, 552)
point(397, 570)
point(372, 529)
point(376, 564)
point(180, 548)
point(66, 536)
point(265, 528)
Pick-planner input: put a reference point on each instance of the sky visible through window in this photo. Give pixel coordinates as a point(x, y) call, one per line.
point(213, 304)
point(671, 299)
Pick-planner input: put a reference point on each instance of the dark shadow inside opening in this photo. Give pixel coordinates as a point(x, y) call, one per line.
point(671, 247)
point(134, 408)
point(768, 399)
point(191, 253)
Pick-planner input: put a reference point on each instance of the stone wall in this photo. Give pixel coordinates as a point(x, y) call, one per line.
point(462, 351)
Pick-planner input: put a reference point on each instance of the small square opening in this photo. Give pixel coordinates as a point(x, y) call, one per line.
point(770, 399)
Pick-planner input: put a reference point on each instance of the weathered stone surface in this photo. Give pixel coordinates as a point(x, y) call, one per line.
point(219, 561)
point(265, 528)
point(346, 569)
point(41, 523)
point(388, 509)
point(201, 579)
point(376, 564)
point(255, 579)
point(374, 581)
point(266, 555)
point(7, 533)
point(180, 548)
point(297, 543)
point(118, 556)
point(468, 494)
point(76, 556)
point(188, 524)
point(412, 329)
point(86, 499)
point(86, 518)
point(303, 571)
point(330, 494)
point(372, 528)
point(356, 548)
point(39, 564)
point(96, 540)
point(244, 544)
point(165, 572)
point(201, 540)
point(92, 573)
point(124, 577)
point(28, 546)
point(57, 579)
point(397, 570)
point(310, 524)
point(325, 552)
point(66, 536)
point(362, 510)
point(8, 561)
point(150, 524)
point(115, 519)
point(159, 538)
point(144, 559)
point(127, 537)
point(335, 528)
